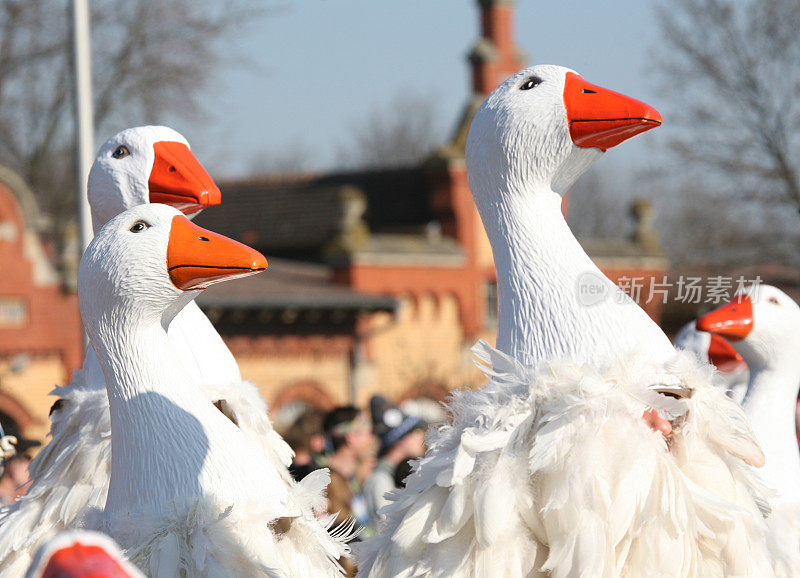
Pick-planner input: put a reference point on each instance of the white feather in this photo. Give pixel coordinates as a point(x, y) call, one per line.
point(70, 476)
point(580, 484)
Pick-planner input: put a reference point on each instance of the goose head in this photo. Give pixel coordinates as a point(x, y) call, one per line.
point(148, 164)
point(543, 127)
point(762, 323)
point(147, 263)
point(709, 347)
point(532, 137)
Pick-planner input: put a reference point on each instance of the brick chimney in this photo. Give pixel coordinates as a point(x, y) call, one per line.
point(495, 56)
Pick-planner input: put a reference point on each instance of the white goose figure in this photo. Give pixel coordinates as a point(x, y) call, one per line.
point(763, 324)
point(548, 470)
point(732, 373)
point(71, 473)
point(190, 493)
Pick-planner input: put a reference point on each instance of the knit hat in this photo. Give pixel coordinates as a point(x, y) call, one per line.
point(390, 424)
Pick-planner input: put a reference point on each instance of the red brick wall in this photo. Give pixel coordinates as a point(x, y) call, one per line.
point(52, 318)
point(416, 281)
point(497, 25)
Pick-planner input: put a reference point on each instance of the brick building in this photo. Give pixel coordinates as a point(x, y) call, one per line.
point(379, 281)
point(410, 236)
point(40, 332)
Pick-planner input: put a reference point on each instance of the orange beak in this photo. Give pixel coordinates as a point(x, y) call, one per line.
point(85, 560)
point(197, 258)
point(601, 118)
point(178, 179)
point(733, 321)
point(722, 354)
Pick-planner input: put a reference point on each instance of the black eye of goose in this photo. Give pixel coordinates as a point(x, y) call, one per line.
point(774, 301)
point(138, 227)
point(531, 82)
point(120, 152)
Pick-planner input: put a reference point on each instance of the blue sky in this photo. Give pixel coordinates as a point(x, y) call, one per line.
point(319, 65)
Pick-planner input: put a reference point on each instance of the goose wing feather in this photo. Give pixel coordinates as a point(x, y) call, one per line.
point(243, 539)
point(70, 478)
point(70, 475)
point(553, 473)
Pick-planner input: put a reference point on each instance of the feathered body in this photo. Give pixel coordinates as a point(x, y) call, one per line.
point(549, 470)
point(70, 476)
point(190, 494)
point(549, 473)
point(763, 325)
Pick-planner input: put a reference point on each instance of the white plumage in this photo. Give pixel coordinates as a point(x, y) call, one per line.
point(763, 324)
point(190, 494)
point(549, 470)
point(549, 473)
point(70, 476)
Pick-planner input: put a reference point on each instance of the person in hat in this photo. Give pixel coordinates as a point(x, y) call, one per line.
point(307, 440)
point(351, 446)
point(402, 436)
point(14, 480)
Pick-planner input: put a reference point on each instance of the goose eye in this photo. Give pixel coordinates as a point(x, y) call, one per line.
point(532, 82)
point(774, 301)
point(138, 227)
point(120, 152)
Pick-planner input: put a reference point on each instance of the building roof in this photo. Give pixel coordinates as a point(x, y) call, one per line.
point(291, 284)
point(429, 250)
point(299, 216)
point(617, 252)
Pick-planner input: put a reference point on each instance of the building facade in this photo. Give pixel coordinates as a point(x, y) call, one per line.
point(412, 235)
point(379, 281)
point(40, 331)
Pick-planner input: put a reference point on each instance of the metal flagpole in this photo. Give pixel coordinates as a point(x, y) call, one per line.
point(84, 115)
point(84, 120)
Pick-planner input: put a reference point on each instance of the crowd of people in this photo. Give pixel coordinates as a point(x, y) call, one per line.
point(368, 454)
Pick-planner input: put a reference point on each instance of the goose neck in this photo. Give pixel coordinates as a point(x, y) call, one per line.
point(169, 444)
point(555, 303)
point(770, 405)
point(158, 440)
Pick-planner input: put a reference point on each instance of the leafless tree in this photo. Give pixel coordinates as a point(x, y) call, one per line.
point(696, 222)
point(703, 225)
point(292, 157)
point(732, 68)
point(149, 59)
point(401, 132)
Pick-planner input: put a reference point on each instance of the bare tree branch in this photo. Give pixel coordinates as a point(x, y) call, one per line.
point(731, 66)
point(401, 132)
point(149, 59)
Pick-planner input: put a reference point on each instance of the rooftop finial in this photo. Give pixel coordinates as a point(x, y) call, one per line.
point(495, 56)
